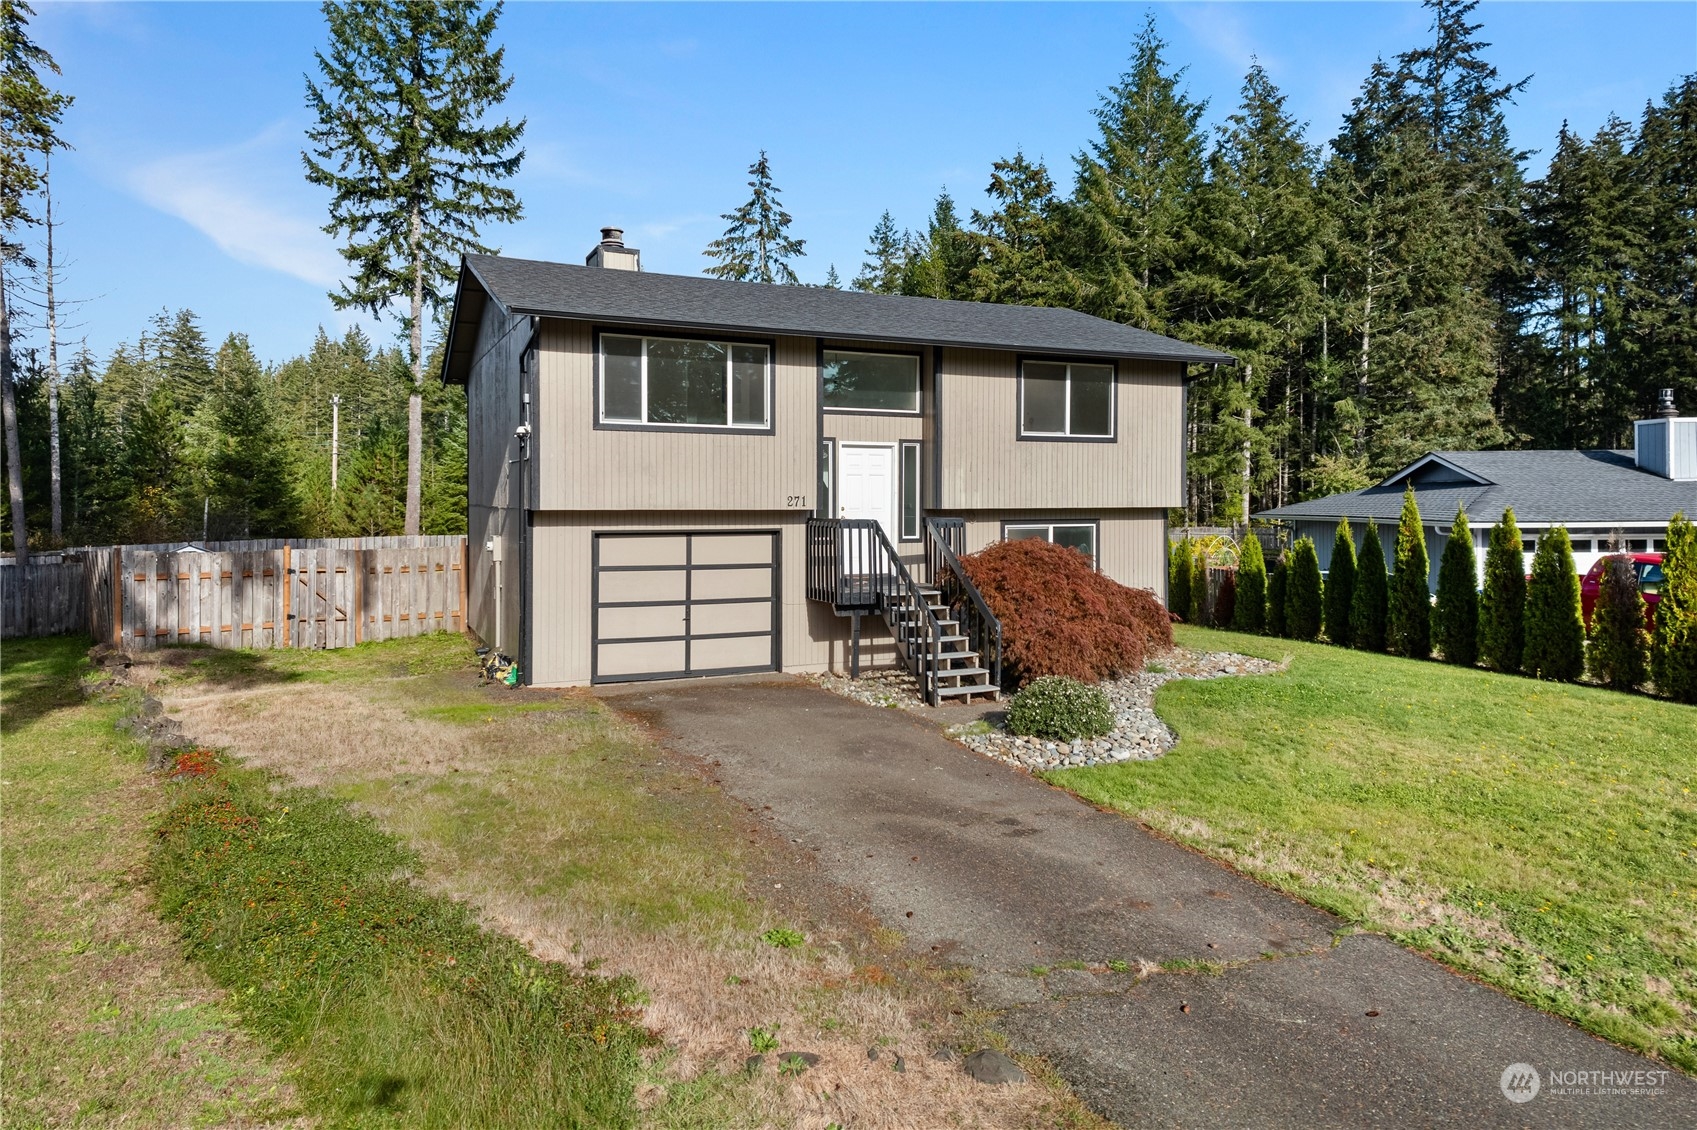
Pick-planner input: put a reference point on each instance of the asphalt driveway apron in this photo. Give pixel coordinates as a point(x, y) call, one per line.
point(1306, 1026)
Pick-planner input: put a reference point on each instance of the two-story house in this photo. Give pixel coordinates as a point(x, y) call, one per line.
point(674, 476)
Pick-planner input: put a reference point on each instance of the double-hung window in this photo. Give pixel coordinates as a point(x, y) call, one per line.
point(1074, 535)
point(681, 382)
point(870, 382)
point(1066, 401)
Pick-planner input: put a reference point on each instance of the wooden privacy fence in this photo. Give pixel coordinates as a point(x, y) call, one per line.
point(305, 594)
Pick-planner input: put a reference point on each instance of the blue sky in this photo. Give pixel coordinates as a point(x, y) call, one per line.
point(185, 187)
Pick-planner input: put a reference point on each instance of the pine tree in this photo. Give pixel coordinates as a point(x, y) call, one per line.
point(184, 362)
point(1178, 577)
point(940, 264)
point(1250, 611)
point(833, 281)
point(1662, 287)
point(757, 247)
point(1019, 238)
point(1502, 608)
point(1618, 652)
point(1673, 645)
point(1370, 605)
point(1408, 619)
point(1340, 586)
point(1304, 597)
point(248, 472)
point(1278, 597)
point(1555, 631)
point(1455, 618)
point(404, 142)
point(882, 270)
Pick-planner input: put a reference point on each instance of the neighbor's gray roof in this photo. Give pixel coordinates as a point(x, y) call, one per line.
point(563, 290)
point(1543, 487)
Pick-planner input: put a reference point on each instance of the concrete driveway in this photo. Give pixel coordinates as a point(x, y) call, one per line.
point(989, 868)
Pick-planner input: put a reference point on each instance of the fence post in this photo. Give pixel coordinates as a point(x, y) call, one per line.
point(286, 579)
point(465, 567)
point(118, 596)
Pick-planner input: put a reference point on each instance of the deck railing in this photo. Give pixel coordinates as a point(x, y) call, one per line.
point(945, 541)
point(852, 566)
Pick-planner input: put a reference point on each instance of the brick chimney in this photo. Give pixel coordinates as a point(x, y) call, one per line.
point(612, 253)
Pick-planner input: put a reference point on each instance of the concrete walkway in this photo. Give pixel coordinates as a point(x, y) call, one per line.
point(1001, 873)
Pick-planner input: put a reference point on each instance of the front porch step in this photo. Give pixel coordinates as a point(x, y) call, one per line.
point(961, 672)
point(966, 691)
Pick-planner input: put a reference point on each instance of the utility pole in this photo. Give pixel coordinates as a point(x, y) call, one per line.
point(335, 437)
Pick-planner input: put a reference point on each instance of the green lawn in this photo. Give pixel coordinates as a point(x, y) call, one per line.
point(1541, 836)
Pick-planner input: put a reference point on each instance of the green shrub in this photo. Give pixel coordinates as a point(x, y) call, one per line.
point(1061, 709)
point(1277, 587)
point(1673, 648)
point(1617, 655)
point(1225, 600)
point(1249, 614)
point(1408, 616)
point(1303, 600)
point(1502, 609)
point(1178, 578)
point(1340, 585)
point(1555, 631)
point(1455, 620)
point(1198, 613)
point(1367, 607)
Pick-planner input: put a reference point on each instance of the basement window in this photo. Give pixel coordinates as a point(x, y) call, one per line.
point(1066, 401)
point(682, 382)
point(1074, 535)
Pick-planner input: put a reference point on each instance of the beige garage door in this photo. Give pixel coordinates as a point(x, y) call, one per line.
point(669, 605)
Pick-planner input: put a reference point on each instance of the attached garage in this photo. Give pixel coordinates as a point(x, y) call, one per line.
point(672, 604)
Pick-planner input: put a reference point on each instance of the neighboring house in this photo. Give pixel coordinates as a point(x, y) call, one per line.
point(1599, 496)
point(674, 476)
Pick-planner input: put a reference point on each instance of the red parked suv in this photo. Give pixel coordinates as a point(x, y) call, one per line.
point(1649, 569)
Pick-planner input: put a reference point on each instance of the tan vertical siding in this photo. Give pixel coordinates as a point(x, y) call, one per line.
point(581, 467)
point(986, 465)
point(1131, 543)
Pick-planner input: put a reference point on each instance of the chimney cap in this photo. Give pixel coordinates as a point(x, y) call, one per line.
point(1664, 404)
point(613, 237)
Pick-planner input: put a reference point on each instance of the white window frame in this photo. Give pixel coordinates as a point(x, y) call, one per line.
point(1049, 529)
point(728, 345)
point(1110, 436)
point(918, 382)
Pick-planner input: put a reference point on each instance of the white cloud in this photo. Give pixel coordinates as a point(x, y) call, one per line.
point(1222, 31)
point(229, 195)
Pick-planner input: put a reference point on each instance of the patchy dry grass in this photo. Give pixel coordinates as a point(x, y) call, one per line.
point(105, 1022)
point(569, 830)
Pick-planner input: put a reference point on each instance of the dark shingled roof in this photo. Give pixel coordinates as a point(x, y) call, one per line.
point(562, 290)
point(1592, 488)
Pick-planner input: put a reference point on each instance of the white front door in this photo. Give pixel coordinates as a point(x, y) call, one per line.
point(866, 487)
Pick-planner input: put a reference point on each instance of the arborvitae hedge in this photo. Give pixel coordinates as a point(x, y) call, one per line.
point(1555, 632)
point(1199, 608)
point(1502, 610)
point(1367, 607)
point(1455, 620)
point(1276, 598)
point(1178, 578)
point(1618, 654)
point(1340, 585)
point(1250, 612)
point(1673, 646)
point(1408, 619)
point(1225, 601)
point(1304, 602)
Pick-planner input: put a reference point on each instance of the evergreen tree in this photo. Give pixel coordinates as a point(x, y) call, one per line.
point(1304, 598)
point(1178, 577)
point(184, 363)
point(1673, 646)
point(404, 142)
point(1618, 655)
point(1250, 612)
point(1019, 238)
point(1555, 631)
point(1278, 597)
point(1502, 610)
point(1370, 606)
point(1340, 586)
point(882, 270)
point(833, 281)
point(248, 469)
point(1408, 618)
point(1662, 286)
point(1199, 604)
point(940, 264)
point(1455, 618)
point(757, 247)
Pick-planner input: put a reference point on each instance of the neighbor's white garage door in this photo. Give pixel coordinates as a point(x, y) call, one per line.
point(668, 605)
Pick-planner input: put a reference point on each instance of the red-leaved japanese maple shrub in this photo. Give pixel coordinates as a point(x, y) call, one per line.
point(1061, 617)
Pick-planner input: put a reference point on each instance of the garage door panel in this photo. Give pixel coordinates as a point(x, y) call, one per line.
point(713, 619)
point(644, 550)
point(716, 655)
point(634, 623)
point(731, 549)
point(642, 585)
point(721, 584)
point(616, 660)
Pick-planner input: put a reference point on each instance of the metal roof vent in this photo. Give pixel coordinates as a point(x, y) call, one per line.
point(612, 253)
point(1664, 404)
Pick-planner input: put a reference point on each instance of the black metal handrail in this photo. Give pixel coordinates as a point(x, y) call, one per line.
point(852, 565)
point(945, 541)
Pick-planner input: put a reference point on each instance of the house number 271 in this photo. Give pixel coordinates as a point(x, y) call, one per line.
point(796, 500)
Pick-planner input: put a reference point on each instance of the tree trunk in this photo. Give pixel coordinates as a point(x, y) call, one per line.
point(415, 401)
point(54, 474)
point(9, 412)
